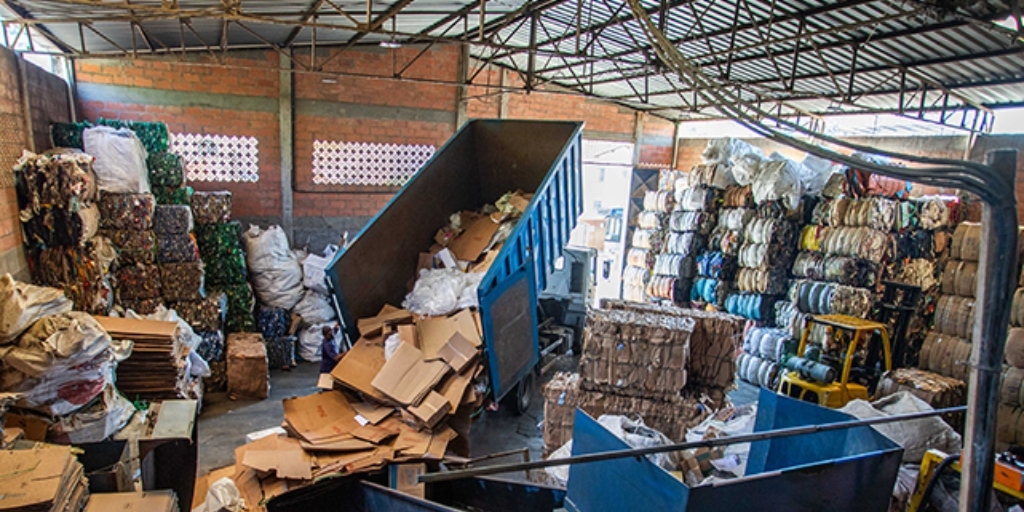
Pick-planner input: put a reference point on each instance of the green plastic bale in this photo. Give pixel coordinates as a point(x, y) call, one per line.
point(154, 136)
point(220, 239)
point(165, 170)
point(227, 268)
point(241, 303)
point(68, 135)
point(173, 195)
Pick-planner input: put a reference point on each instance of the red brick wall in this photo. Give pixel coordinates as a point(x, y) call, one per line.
point(256, 76)
point(12, 141)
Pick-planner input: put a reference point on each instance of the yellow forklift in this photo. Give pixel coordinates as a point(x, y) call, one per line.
point(857, 354)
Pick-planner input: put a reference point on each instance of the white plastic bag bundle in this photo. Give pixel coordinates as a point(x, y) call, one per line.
point(391, 345)
point(814, 174)
point(313, 269)
point(441, 291)
point(747, 168)
point(725, 150)
point(916, 436)
point(315, 308)
point(21, 304)
point(101, 419)
point(223, 496)
point(120, 159)
point(61, 363)
point(311, 340)
point(778, 180)
point(275, 271)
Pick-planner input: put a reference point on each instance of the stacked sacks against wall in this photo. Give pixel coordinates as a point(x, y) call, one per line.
point(57, 195)
point(647, 242)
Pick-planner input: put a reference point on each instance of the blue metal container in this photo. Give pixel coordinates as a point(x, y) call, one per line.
point(483, 161)
point(850, 470)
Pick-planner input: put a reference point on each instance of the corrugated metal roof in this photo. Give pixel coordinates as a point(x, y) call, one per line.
point(846, 55)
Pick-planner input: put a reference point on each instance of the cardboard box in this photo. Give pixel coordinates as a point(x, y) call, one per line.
point(434, 332)
point(469, 245)
point(404, 478)
point(358, 367)
point(149, 501)
point(373, 326)
point(406, 377)
point(431, 410)
point(320, 417)
point(248, 372)
point(107, 466)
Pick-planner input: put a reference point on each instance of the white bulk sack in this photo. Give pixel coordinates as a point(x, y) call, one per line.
point(120, 164)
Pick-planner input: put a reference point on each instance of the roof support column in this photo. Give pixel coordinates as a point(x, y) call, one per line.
point(286, 121)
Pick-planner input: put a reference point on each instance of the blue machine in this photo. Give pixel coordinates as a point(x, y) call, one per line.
point(850, 470)
point(483, 161)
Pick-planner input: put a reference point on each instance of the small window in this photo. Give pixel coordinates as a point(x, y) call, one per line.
point(218, 157)
point(367, 164)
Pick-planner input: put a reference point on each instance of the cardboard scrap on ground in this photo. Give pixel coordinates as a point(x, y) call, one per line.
point(371, 413)
point(358, 367)
point(320, 417)
point(281, 455)
point(406, 378)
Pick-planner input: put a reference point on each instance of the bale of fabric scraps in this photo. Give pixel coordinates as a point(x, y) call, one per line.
point(153, 135)
point(173, 195)
point(272, 322)
point(211, 348)
point(138, 282)
point(247, 366)
point(172, 219)
point(218, 379)
point(133, 246)
point(59, 227)
point(64, 179)
point(203, 315)
point(211, 207)
point(228, 269)
point(76, 272)
point(216, 240)
point(126, 211)
point(165, 169)
point(240, 316)
point(281, 351)
point(177, 249)
point(143, 306)
point(182, 281)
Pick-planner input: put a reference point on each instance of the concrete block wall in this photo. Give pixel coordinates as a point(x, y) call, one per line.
point(48, 101)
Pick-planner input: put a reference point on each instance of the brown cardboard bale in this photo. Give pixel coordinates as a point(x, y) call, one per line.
point(939, 391)
point(561, 396)
point(248, 374)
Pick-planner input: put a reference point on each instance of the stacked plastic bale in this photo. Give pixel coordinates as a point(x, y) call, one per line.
point(57, 195)
point(229, 302)
point(645, 245)
point(127, 220)
point(182, 274)
point(690, 226)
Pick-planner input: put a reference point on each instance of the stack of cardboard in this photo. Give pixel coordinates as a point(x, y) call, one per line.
point(150, 501)
point(156, 368)
point(668, 366)
point(40, 478)
point(716, 339)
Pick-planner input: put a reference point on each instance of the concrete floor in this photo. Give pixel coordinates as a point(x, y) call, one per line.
point(224, 422)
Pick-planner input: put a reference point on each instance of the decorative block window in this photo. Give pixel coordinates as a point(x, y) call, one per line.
point(218, 157)
point(368, 164)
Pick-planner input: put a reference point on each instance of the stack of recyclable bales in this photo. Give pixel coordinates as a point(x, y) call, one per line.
point(56, 197)
point(219, 241)
point(127, 220)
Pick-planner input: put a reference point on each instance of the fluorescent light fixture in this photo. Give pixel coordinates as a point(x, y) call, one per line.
point(390, 44)
point(329, 80)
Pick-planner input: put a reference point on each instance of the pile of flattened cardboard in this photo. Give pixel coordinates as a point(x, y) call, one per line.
point(40, 477)
point(156, 369)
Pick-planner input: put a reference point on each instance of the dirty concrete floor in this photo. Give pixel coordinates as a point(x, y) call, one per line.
point(224, 423)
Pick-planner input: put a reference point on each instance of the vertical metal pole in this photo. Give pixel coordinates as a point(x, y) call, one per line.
point(638, 133)
point(286, 121)
point(460, 107)
point(26, 105)
point(531, 60)
point(675, 146)
point(503, 97)
point(996, 272)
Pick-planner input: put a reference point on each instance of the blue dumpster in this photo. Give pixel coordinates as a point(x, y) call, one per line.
point(483, 161)
point(850, 470)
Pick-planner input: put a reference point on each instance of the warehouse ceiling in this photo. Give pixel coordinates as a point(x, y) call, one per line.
point(949, 62)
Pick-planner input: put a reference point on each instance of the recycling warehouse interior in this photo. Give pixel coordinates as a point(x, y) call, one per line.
point(410, 254)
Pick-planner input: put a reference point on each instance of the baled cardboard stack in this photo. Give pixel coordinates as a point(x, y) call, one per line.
point(150, 501)
point(561, 397)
